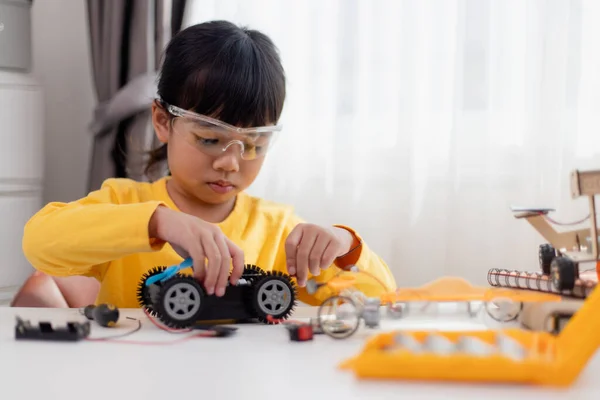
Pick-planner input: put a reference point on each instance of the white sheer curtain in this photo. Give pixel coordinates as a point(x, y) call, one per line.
point(420, 123)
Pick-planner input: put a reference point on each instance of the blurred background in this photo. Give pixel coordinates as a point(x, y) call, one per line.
point(419, 123)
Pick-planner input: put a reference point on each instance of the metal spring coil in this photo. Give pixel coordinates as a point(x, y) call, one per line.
point(533, 281)
point(522, 279)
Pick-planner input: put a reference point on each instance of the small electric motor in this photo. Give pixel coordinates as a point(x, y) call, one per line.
point(300, 332)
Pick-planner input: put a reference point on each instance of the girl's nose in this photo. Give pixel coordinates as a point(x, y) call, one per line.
point(229, 159)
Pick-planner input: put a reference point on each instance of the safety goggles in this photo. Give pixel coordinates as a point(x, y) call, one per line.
point(213, 137)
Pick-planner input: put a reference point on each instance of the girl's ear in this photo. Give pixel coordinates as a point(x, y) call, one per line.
point(161, 122)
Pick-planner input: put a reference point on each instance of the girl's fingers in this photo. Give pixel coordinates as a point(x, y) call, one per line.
point(214, 263)
point(237, 260)
point(291, 249)
point(223, 273)
point(316, 255)
point(329, 254)
point(302, 256)
point(199, 263)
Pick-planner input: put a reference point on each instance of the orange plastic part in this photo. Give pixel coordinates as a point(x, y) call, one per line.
point(455, 289)
point(508, 355)
point(342, 282)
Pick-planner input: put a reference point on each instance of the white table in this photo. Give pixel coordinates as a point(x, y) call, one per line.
point(258, 362)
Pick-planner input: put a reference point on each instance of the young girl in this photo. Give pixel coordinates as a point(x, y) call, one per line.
point(221, 92)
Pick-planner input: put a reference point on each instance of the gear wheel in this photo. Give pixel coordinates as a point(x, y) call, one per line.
point(252, 272)
point(179, 302)
point(275, 295)
point(143, 294)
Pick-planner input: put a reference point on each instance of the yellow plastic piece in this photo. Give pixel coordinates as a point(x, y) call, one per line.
point(455, 289)
point(508, 355)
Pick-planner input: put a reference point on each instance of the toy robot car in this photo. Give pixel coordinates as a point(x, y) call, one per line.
point(180, 301)
point(564, 251)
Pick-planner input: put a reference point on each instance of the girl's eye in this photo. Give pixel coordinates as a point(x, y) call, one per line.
point(207, 142)
point(253, 149)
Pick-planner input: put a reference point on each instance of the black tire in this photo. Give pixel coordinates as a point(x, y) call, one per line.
point(563, 272)
point(547, 253)
point(274, 295)
point(184, 312)
point(143, 293)
point(252, 272)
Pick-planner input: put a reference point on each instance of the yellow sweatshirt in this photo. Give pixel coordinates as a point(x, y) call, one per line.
point(105, 235)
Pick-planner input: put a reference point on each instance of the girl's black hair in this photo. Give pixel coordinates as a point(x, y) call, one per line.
point(224, 71)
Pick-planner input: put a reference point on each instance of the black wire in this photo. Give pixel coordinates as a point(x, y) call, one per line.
point(108, 338)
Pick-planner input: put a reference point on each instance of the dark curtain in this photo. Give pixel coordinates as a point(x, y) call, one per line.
point(127, 39)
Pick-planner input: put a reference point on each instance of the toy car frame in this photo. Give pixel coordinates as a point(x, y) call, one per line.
point(549, 317)
point(561, 256)
point(180, 301)
point(340, 315)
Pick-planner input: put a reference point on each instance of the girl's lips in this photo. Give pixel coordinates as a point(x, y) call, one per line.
point(221, 187)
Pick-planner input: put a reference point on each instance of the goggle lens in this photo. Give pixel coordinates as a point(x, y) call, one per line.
point(214, 140)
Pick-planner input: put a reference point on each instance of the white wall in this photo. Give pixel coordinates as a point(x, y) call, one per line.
point(61, 65)
point(61, 61)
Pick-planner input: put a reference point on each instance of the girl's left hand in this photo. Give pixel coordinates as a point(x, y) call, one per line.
point(312, 248)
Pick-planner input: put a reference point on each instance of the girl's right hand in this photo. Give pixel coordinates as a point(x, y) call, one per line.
point(211, 251)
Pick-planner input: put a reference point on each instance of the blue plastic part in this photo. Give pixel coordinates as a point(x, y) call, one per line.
point(170, 272)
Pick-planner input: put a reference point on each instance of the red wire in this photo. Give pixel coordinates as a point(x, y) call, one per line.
point(283, 321)
point(183, 339)
point(162, 327)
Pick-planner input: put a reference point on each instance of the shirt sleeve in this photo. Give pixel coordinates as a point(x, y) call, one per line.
point(83, 236)
point(375, 279)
